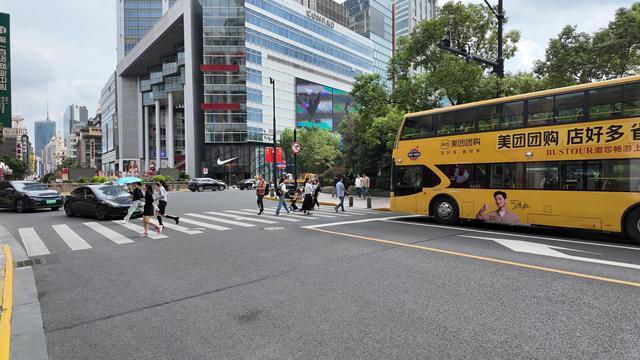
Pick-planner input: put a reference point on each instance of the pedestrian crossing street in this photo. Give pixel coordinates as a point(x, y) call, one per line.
point(38, 240)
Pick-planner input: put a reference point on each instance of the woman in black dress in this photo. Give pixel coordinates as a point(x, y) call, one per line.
point(307, 203)
point(149, 210)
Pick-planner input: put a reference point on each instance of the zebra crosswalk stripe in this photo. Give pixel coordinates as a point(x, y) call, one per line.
point(139, 229)
point(253, 213)
point(72, 239)
point(32, 242)
point(203, 224)
point(179, 228)
point(282, 216)
point(108, 233)
point(238, 217)
point(224, 221)
point(312, 213)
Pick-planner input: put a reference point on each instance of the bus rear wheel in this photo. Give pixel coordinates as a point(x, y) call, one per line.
point(632, 225)
point(445, 211)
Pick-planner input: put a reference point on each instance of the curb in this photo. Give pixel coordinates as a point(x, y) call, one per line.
point(7, 304)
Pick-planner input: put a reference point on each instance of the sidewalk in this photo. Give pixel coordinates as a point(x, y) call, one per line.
point(381, 203)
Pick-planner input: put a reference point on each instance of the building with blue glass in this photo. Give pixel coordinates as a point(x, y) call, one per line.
point(409, 13)
point(373, 20)
point(194, 93)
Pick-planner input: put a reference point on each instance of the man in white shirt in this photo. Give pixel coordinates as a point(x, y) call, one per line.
point(359, 186)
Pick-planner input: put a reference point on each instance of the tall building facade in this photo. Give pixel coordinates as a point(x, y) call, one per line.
point(135, 18)
point(75, 117)
point(194, 93)
point(373, 20)
point(408, 13)
point(109, 126)
point(43, 132)
point(53, 153)
point(329, 8)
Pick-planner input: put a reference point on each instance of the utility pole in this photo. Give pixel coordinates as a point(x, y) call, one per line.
point(275, 145)
point(465, 50)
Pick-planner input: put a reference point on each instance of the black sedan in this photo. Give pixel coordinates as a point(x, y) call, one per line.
point(202, 184)
point(246, 184)
point(100, 201)
point(23, 196)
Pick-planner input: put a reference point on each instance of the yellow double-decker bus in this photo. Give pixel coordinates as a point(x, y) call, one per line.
point(567, 157)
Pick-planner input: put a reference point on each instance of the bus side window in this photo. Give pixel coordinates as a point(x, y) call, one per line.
point(506, 176)
point(569, 107)
point(631, 100)
point(465, 121)
point(540, 111)
point(446, 123)
point(542, 175)
point(488, 118)
point(605, 103)
point(512, 115)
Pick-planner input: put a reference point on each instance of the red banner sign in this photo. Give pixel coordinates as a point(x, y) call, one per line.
point(268, 155)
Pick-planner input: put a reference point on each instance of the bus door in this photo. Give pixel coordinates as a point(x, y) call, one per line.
point(408, 185)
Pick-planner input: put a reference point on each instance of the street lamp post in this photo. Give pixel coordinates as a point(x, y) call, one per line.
point(275, 145)
point(465, 51)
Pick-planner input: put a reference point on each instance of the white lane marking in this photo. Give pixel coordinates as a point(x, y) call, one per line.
point(360, 221)
point(139, 229)
point(517, 235)
point(169, 225)
point(247, 212)
point(548, 250)
point(224, 221)
point(72, 239)
point(282, 215)
point(238, 217)
point(313, 213)
point(203, 224)
point(32, 242)
point(108, 233)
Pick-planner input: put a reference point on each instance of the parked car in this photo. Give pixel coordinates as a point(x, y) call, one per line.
point(246, 184)
point(23, 196)
point(202, 184)
point(100, 201)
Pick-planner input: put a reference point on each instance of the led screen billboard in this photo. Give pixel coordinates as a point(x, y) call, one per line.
point(320, 106)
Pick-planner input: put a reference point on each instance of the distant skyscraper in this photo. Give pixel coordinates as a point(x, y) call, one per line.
point(329, 8)
point(75, 117)
point(135, 18)
point(44, 131)
point(373, 20)
point(410, 12)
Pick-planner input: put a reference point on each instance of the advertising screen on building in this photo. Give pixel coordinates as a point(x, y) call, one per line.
point(320, 106)
point(5, 72)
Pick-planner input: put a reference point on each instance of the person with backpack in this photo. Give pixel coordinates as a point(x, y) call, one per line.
point(261, 190)
point(281, 190)
point(138, 198)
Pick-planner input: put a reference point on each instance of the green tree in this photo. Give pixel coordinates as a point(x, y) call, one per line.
point(442, 75)
point(579, 57)
point(66, 163)
point(18, 166)
point(320, 149)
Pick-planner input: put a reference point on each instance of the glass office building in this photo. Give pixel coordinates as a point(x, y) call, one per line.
point(408, 13)
point(195, 90)
point(373, 19)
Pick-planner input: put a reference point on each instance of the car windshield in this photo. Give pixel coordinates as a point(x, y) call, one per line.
point(29, 186)
point(110, 192)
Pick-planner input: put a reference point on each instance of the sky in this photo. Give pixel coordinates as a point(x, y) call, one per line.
point(64, 51)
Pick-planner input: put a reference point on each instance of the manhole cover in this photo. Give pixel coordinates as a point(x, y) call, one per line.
point(272, 228)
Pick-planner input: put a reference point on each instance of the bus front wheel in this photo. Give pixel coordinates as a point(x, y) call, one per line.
point(445, 211)
point(632, 225)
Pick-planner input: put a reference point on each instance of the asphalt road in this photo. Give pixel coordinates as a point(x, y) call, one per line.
point(365, 285)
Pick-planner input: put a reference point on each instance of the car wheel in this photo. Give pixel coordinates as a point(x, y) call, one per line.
point(67, 210)
point(445, 211)
point(632, 225)
point(101, 212)
point(20, 206)
point(55, 208)
point(219, 188)
point(200, 188)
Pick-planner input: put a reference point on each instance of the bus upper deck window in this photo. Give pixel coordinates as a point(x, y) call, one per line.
point(512, 115)
point(446, 123)
point(631, 100)
point(488, 118)
point(569, 107)
point(605, 103)
point(540, 111)
point(465, 121)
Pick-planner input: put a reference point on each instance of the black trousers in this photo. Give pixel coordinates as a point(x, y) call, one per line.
point(260, 203)
point(162, 206)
